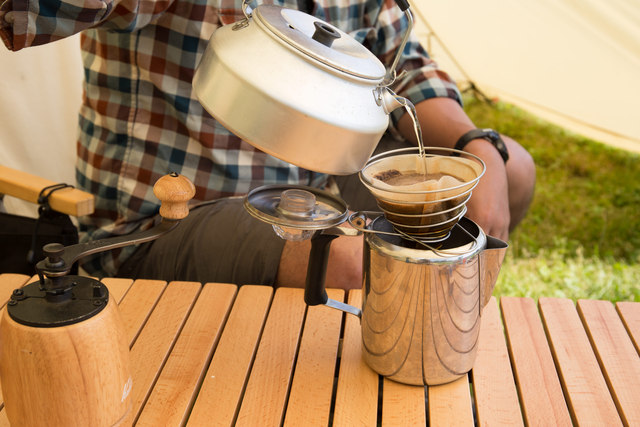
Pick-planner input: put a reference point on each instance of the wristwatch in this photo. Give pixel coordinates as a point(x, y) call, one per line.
point(490, 135)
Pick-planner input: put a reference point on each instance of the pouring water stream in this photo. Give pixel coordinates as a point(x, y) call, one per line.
point(411, 111)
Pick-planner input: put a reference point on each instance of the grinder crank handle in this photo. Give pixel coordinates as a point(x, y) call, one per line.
point(173, 191)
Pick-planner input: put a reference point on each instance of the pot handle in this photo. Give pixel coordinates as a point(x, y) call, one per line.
point(314, 290)
point(490, 262)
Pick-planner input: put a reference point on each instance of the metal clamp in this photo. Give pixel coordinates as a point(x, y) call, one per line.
point(358, 221)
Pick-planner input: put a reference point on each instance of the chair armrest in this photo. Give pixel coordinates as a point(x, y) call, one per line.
point(26, 186)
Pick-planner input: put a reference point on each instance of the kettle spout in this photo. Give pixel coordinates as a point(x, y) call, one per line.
point(388, 100)
point(490, 262)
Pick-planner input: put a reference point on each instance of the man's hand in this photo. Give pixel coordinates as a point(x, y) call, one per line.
point(503, 195)
point(489, 203)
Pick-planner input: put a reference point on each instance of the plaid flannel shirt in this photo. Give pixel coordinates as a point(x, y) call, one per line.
point(140, 118)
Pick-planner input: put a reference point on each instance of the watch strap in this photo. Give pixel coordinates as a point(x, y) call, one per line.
point(490, 135)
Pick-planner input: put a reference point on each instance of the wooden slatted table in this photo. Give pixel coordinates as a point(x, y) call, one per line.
point(251, 356)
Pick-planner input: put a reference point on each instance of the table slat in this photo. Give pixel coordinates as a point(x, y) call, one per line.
point(450, 404)
point(175, 390)
point(221, 392)
point(118, 288)
point(154, 343)
point(266, 394)
point(493, 383)
point(587, 394)
point(541, 394)
point(617, 356)
point(357, 393)
point(630, 314)
point(312, 386)
point(403, 405)
point(137, 304)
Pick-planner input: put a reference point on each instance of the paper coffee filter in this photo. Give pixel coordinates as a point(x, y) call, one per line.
point(458, 176)
point(426, 208)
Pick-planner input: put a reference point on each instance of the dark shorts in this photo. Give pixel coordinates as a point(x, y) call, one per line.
point(218, 242)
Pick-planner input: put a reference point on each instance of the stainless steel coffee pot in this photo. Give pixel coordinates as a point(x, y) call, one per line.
point(422, 302)
point(422, 305)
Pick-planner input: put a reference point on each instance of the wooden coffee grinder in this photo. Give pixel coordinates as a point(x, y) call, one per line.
point(64, 354)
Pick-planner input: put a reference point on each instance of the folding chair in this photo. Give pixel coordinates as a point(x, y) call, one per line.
point(22, 238)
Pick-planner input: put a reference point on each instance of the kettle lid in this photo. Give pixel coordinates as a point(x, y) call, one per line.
point(321, 41)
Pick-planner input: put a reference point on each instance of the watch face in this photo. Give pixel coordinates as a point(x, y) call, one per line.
point(493, 134)
point(499, 144)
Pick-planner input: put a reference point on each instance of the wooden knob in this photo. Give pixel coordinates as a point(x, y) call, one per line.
point(174, 191)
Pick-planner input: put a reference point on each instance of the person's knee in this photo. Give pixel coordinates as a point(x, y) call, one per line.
point(521, 173)
point(344, 265)
point(344, 269)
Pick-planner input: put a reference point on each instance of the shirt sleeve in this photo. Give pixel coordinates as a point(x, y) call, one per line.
point(25, 23)
point(423, 79)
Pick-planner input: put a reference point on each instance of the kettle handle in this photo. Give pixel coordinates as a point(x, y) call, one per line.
point(403, 4)
point(390, 75)
point(248, 10)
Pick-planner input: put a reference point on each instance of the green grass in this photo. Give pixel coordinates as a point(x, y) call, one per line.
point(581, 237)
point(551, 273)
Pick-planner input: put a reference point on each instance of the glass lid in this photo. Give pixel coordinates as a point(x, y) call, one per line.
point(296, 206)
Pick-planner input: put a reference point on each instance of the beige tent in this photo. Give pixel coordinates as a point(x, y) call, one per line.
point(575, 63)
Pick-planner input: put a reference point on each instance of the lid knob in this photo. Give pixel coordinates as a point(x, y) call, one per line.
point(297, 202)
point(325, 33)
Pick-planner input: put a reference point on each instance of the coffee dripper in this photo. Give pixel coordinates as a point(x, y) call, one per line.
point(64, 358)
point(422, 298)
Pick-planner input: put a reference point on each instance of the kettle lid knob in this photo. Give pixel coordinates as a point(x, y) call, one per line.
point(325, 33)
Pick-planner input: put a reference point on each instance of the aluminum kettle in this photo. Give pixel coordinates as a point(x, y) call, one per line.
point(298, 88)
